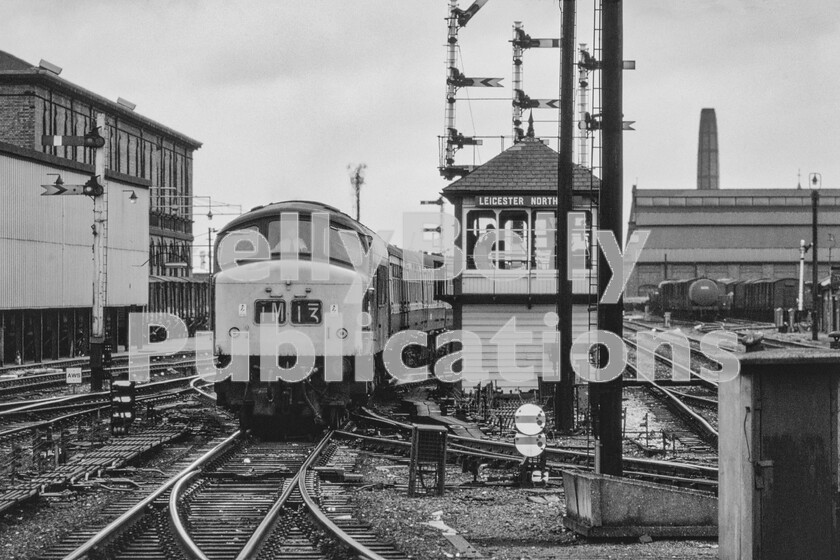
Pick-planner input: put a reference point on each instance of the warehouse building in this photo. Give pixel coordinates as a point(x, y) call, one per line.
point(743, 234)
point(45, 241)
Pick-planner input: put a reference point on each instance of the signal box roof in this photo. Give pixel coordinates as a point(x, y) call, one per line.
point(529, 166)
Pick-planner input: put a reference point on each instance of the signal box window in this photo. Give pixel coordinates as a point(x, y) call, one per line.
point(270, 311)
point(478, 223)
point(545, 231)
point(513, 240)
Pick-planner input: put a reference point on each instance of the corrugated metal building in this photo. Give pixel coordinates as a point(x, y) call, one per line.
point(729, 233)
point(46, 242)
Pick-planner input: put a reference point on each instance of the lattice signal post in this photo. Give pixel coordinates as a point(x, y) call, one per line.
point(98, 191)
point(455, 79)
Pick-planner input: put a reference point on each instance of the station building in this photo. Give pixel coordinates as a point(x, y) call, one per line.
point(743, 234)
point(46, 276)
point(509, 205)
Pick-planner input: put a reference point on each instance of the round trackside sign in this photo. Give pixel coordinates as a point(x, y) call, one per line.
point(529, 419)
point(530, 446)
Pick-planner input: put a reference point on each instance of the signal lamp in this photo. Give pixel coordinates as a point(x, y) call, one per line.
point(93, 188)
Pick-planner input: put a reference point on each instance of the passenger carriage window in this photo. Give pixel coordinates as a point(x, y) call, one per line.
point(270, 311)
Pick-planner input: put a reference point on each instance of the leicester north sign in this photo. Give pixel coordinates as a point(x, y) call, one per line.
point(526, 201)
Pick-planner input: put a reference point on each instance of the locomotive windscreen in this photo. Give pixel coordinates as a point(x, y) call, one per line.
point(295, 236)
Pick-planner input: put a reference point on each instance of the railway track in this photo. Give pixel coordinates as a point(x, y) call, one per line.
point(698, 358)
point(682, 403)
point(242, 499)
point(501, 452)
point(53, 378)
point(61, 410)
point(747, 331)
point(40, 455)
point(139, 523)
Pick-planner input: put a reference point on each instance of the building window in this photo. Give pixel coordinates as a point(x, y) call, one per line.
point(512, 244)
point(544, 240)
point(479, 222)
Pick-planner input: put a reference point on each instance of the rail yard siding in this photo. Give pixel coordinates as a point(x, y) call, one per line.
point(47, 241)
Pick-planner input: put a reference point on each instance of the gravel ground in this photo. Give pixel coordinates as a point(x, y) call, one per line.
point(501, 522)
point(33, 528)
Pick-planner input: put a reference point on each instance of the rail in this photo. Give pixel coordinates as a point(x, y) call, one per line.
point(559, 458)
point(265, 527)
point(95, 406)
point(182, 535)
point(115, 528)
point(200, 390)
point(54, 378)
point(673, 364)
point(703, 429)
point(322, 519)
point(43, 405)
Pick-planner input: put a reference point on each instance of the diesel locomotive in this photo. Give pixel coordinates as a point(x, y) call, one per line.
point(319, 295)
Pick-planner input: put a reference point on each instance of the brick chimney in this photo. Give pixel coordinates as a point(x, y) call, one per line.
point(708, 172)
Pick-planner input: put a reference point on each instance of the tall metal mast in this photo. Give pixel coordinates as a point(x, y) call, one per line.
point(516, 81)
point(453, 140)
point(100, 266)
point(583, 109)
point(606, 397)
point(564, 391)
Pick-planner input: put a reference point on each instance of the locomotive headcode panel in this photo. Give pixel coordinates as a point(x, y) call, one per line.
point(270, 311)
point(306, 312)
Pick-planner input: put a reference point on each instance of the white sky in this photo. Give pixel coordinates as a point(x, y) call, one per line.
point(286, 94)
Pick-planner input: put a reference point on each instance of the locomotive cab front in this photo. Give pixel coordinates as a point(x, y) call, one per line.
point(301, 316)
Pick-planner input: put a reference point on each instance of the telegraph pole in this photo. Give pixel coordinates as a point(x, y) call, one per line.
point(100, 265)
point(816, 183)
point(357, 178)
point(606, 397)
point(564, 391)
point(210, 251)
